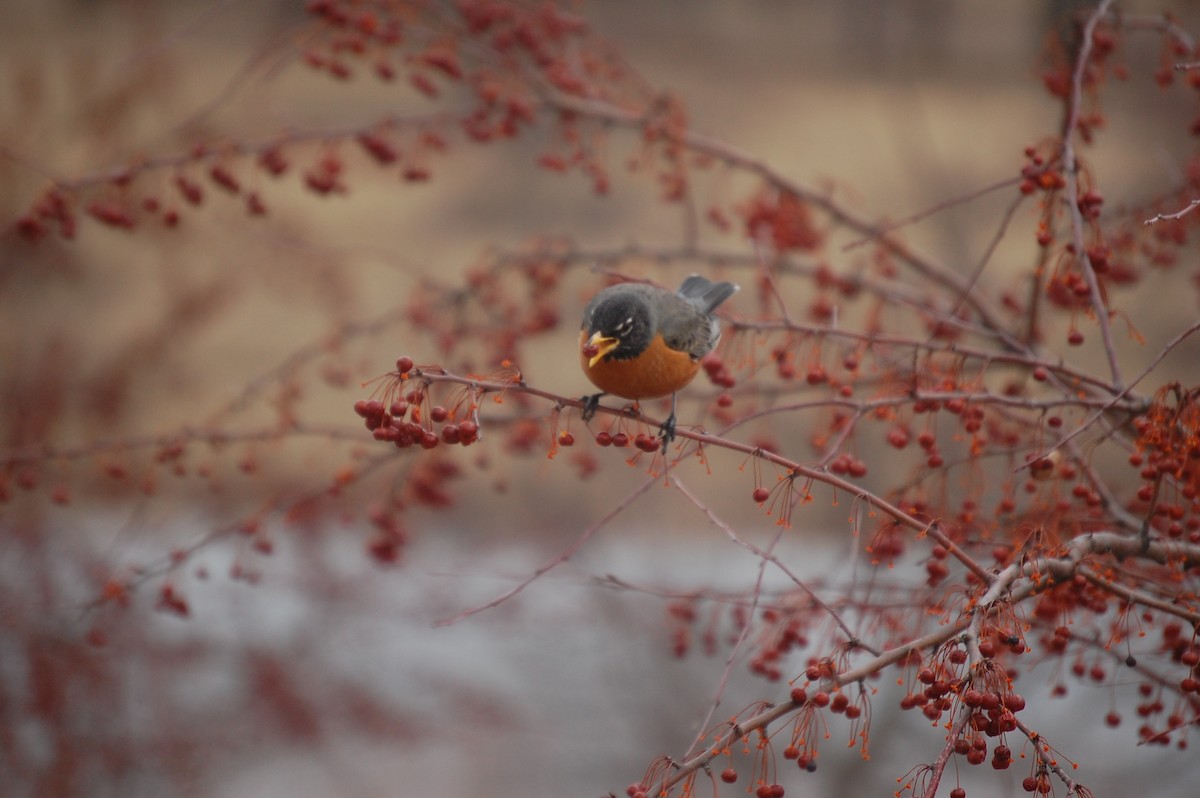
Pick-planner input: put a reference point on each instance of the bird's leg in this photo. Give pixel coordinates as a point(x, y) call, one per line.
point(667, 430)
point(590, 403)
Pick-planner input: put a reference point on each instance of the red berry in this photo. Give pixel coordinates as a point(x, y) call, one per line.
point(604, 439)
point(404, 364)
point(761, 495)
point(729, 775)
point(438, 414)
point(566, 439)
point(468, 432)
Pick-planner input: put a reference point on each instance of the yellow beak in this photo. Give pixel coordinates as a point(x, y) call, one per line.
point(603, 345)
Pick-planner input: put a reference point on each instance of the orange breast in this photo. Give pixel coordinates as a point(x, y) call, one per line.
point(659, 371)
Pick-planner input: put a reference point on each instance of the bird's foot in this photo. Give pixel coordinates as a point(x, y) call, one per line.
point(590, 403)
point(667, 432)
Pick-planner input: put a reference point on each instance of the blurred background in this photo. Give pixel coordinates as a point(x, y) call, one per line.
point(312, 669)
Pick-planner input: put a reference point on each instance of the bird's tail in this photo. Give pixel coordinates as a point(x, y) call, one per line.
point(706, 294)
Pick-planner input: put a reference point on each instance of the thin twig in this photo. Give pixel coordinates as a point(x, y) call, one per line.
point(1071, 169)
point(1164, 217)
point(756, 596)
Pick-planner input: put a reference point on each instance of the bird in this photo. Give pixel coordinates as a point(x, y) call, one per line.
point(640, 341)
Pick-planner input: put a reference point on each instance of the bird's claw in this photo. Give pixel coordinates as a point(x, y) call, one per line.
point(590, 404)
point(667, 432)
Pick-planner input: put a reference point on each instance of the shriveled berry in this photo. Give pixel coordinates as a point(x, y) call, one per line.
point(647, 443)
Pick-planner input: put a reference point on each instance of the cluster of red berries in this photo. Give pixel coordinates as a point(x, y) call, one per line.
point(1187, 651)
point(783, 219)
point(389, 538)
point(847, 465)
point(402, 422)
point(387, 423)
point(1037, 175)
point(764, 790)
point(1039, 783)
point(717, 371)
point(935, 567)
point(1168, 451)
point(993, 711)
point(643, 441)
point(898, 437)
point(784, 634)
point(170, 600)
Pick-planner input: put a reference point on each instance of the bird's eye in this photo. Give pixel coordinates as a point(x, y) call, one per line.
point(625, 327)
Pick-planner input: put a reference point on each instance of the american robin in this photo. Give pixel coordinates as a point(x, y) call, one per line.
point(642, 342)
